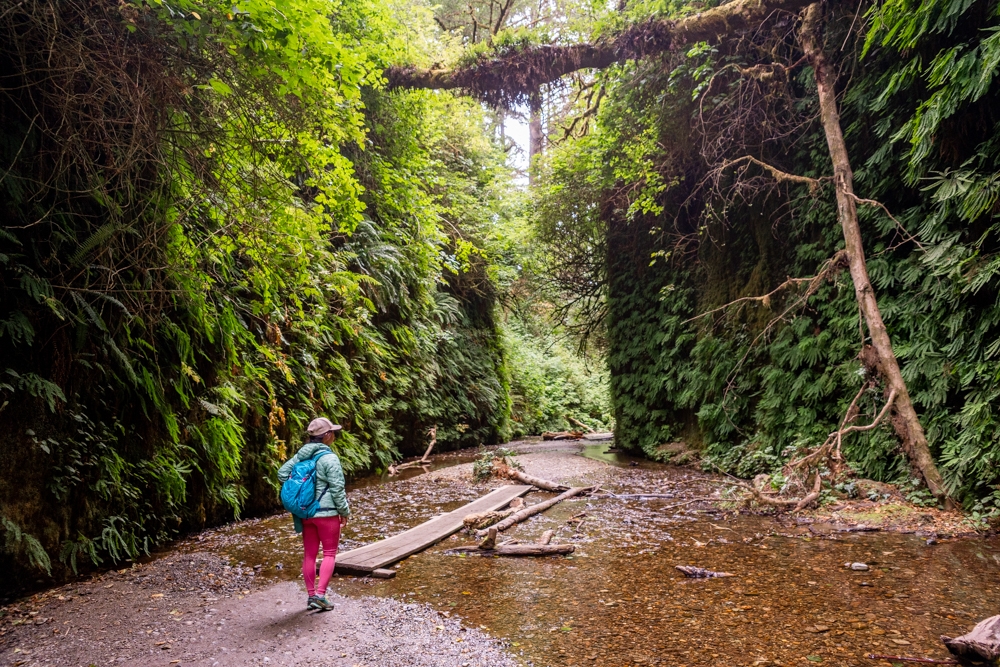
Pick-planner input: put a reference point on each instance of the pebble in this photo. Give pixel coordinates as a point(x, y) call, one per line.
point(857, 567)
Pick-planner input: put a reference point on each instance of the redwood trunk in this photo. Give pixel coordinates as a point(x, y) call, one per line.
point(905, 420)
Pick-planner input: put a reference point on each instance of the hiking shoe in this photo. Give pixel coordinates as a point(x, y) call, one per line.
point(320, 603)
point(311, 602)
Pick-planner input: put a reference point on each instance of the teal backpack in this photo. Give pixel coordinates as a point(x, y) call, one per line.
point(298, 493)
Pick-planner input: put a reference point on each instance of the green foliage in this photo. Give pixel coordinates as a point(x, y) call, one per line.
point(551, 384)
point(753, 383)
point(277, 238)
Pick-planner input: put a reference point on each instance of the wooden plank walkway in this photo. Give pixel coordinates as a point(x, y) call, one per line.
point(377, 555)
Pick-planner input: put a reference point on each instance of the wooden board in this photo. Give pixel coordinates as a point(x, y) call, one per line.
point(377, 555)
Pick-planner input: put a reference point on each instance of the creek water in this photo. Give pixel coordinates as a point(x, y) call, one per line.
point(619, 601)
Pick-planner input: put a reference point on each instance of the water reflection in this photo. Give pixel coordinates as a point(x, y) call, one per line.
point(618, 600)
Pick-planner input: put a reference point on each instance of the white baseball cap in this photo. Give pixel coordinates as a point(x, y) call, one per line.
point(321, 426)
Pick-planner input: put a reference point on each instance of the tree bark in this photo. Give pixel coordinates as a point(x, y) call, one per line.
point(905, 420)
point(531, 480)
point(536, 137)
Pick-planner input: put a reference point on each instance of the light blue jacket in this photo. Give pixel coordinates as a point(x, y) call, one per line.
point(329, 481)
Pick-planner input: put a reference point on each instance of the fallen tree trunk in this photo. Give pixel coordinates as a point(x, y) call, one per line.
point(546, 537)
point(581, 424)
point(562, 435)
point(904, 418)
point(483, 520)
point(508, 549)
point(532, 510)
point(531, 480)
point(533, 549)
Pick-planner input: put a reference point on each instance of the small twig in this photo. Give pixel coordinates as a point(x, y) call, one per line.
point(903, 658)
point(872, 202)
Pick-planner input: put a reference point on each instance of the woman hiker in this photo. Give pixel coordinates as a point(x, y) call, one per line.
point(331, 514)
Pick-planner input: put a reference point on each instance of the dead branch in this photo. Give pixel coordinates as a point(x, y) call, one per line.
point(423, 461)
point(581, 424)
point(693, 572)
point(903, 658)
point(779, 175)
point(532, 510)
point(531, 480)
point(546, 537)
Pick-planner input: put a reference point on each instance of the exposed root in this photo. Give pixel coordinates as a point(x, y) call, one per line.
point(825, 457)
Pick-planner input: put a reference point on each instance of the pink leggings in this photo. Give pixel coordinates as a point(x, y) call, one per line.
point(319, 529)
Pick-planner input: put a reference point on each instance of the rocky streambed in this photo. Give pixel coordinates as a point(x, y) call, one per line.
point(231, 596)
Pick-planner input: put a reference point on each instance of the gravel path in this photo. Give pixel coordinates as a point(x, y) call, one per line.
point(196, 611)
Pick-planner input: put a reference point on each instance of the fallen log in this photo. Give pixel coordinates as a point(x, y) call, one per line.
point(581, 425)
point(562, 435)
point(546, 537)
point(532, 549)
point(532, 510)
point(517, 550)
point(481, 520)
point(525, 478)
point(981, 644)
point(701, 573)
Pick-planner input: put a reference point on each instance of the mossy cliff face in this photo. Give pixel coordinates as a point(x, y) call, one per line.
point(192, 269)
point(751, 382)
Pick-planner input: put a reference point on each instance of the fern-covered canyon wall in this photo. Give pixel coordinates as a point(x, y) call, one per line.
point(217, 224)
point(692, 225)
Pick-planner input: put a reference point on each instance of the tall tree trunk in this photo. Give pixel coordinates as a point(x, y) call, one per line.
point(904, 417)
point(536, 137)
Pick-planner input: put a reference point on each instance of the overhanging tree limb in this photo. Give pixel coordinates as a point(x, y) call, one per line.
point(508, 80)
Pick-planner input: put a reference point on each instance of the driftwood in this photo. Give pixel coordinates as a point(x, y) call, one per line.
point(489, 547)
point(490, 541)
point(581, 425)
point(701, 573)
point(903, 658)
point(562, 435)
point(516, 550)
point(531, 480)
point(983, 643)
point(532, 549)
point(532, 510)
point(423, 461)
point(481, 520)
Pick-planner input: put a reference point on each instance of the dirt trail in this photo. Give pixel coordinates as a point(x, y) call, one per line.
point(147, 615)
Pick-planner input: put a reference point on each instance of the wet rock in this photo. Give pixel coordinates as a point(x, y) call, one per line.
point(857, 567)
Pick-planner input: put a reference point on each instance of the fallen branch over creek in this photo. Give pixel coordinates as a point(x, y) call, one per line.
point(423, 461)
point(489, 547)
point(693, 572)
point(524, 478)
point(532, 510)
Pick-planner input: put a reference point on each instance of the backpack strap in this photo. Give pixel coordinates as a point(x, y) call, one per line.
point(316, 458)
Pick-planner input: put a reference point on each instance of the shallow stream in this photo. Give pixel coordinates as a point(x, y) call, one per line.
point(619, 601)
